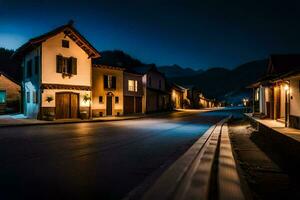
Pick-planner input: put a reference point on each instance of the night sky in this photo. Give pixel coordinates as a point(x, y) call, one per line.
point(197, 34)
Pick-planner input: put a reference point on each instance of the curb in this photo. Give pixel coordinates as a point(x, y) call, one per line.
point(68, 122)
point(193, 175)
point(84, 121)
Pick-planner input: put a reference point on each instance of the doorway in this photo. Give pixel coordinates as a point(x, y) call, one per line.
point(66, 105)
point(108, 105)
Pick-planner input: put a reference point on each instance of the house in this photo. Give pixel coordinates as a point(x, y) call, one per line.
point(10, 94)
point(57, 74)
point(193, 95)
point(277, 95)
point(206, 103)
point(178, 95)
point(155, 95)
point(107, 91)
point(133, 93)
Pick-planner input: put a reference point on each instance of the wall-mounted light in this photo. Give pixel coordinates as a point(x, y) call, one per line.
point(286, 87)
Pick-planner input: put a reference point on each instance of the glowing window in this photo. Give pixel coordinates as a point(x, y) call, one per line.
point(132, 85)
point(2, 97)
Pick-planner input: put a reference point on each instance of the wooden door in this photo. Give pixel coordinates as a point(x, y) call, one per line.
point(74, 106)
point(271, 95)
point(128, 105)
point(62, 105)
point(108, 105)
point(277, 103)
point(138, 104)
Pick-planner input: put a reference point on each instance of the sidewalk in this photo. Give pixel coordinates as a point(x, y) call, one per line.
point(262, 166)
point(276, 126)
point(21, 120)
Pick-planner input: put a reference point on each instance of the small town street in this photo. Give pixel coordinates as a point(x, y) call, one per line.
point(104, 160)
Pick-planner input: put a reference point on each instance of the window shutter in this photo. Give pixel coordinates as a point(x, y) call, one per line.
point(113, 82)
point(36, 64)
point(59, 60)
point(73, 65)
point(105, 81)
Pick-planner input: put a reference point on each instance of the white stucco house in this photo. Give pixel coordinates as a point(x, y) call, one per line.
point(57, 76)
point(277, 95)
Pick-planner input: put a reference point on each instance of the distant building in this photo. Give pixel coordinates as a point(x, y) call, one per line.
point(206, 103)
point(107, 91)
point(133, 93)
point(277, 95)
point(178, 95)
point(10, 94)
point(156, 97)
point(57, 74)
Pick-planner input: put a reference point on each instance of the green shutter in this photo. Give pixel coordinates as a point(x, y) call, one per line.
point(59, 60)
point(113, 82)
point(105, 81)
point(74, 65)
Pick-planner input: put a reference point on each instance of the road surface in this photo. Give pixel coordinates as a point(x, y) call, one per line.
point(103, 160)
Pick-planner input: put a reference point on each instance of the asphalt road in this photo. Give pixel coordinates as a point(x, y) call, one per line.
point(103, 160)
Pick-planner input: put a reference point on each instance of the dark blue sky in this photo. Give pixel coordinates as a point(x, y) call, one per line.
point(197, 34)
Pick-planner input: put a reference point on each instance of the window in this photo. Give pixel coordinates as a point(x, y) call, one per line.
point(159, 84)
point(65, 68)
point(150, 81)
point(66, 65)
point(34, 97)
point(100, 99)
point(29, 69)
point(2, 97)
point(132, 85)
point(28, 97)
point(109, 82)
point(65, 44)
point(36, 65)
point(117, 100)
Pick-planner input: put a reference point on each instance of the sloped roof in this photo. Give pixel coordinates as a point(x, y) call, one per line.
point(8, 77)
point(144, 69)
point(108, 67)
point(70, 31)
point(280, 64)
point(172, 85)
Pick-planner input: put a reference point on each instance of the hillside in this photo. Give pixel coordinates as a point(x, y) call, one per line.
point(221, 83)
point(176, 71)
point(8, 66)
point(117, 58)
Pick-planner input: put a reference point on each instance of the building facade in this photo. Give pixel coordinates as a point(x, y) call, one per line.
point(155, 95)
point(178, 96)
point(107, 90)
point(10, 95)
point(276, 96)
point(133, 93)
point(57, 74)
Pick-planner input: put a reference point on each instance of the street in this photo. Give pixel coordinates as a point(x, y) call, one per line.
point(94, 160)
